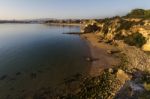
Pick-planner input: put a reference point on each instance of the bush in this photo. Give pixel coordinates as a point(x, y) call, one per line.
point(107, 22)
point(139, 13)
point(91, 28)
point(136, 39)
point(124, 24)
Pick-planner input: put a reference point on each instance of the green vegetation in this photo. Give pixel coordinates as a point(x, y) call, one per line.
point(105, 27)
point(91, 28)
point(126, 25)
point(139, 13)
point(135, 39)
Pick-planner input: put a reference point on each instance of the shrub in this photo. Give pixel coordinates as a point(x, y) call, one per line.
point(91, 28)
point(139, 13)
point(118, 36)
point(136, 39)
point(105, 29)
point(125, 25)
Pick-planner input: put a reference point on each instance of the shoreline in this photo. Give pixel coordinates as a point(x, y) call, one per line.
point(99, 51)
point(106, 77)
point(64, 24)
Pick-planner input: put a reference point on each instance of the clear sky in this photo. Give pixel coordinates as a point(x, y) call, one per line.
point(30, 9)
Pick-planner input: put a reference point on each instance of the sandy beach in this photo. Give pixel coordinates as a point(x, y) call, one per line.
point(99, 51)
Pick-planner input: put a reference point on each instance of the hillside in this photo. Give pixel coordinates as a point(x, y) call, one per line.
point(139, 13)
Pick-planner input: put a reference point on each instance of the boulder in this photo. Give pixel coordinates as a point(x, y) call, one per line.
point(146, 47)
point(122, 76)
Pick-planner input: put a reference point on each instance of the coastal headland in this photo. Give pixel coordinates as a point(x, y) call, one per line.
point(120, 63)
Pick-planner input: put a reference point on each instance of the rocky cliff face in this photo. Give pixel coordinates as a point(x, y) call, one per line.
point(135, 32)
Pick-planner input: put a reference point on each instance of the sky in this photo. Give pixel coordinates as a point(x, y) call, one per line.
point(67, 9)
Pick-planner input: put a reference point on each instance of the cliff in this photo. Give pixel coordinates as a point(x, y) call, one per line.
point(133, 31)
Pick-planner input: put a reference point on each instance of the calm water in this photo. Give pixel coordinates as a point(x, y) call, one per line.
point(33, 56)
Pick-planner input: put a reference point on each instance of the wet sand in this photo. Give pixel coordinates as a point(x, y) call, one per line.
point(99, 51)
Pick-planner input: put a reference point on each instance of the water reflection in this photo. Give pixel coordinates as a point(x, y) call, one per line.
point(35, 55)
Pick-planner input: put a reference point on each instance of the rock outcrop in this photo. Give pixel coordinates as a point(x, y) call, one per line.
point(135, 32)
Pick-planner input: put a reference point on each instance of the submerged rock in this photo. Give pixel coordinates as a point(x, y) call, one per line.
point(40, 71)
point(90, 59)
point(18, 73)
point(33, 75)
point(122, 76)
point(3, 77)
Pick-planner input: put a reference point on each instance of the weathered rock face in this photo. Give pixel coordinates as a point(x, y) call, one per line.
point(120, 29)
point(136, 59)
point(140, 60)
